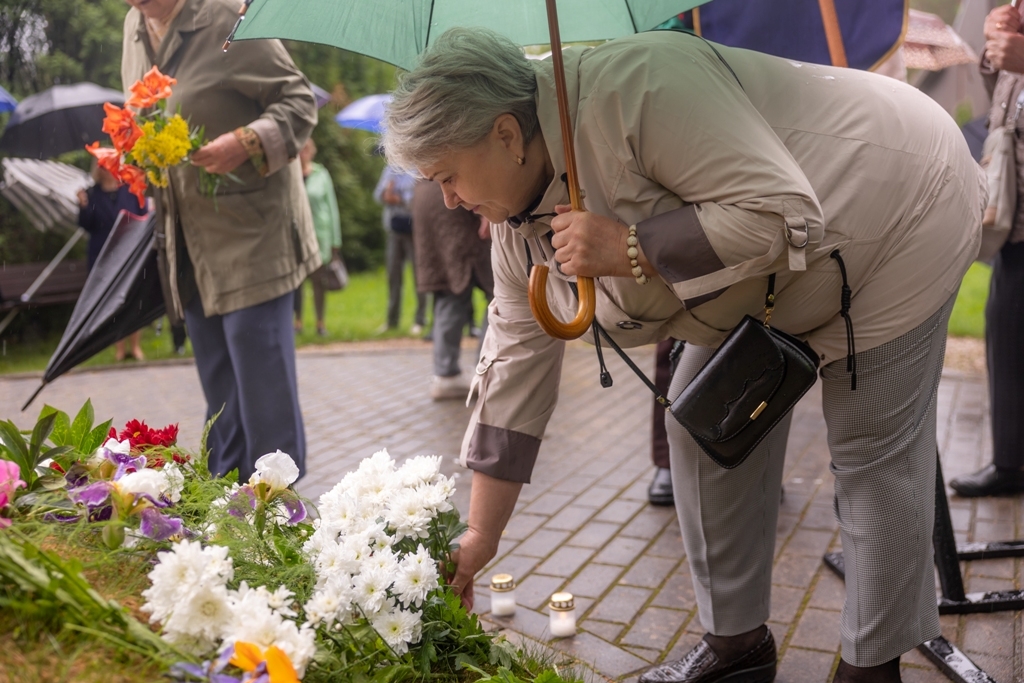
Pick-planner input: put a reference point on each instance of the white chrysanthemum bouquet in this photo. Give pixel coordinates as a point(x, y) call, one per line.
point(372, 554)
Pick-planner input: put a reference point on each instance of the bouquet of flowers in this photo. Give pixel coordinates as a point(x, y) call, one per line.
point(147, 145)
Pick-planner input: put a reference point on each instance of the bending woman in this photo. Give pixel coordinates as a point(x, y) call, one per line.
point(729, 165)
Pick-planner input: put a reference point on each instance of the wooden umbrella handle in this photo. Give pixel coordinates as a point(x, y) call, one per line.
point(539, 275)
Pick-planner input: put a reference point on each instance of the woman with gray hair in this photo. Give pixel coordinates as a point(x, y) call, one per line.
point(706, 170)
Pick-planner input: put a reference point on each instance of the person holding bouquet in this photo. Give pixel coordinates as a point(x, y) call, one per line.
point(234, 221)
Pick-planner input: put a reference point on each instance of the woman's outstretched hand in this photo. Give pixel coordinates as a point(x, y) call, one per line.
point(473, 555)
point(592, 245)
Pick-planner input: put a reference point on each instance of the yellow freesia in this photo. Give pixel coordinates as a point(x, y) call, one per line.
point(164, 148)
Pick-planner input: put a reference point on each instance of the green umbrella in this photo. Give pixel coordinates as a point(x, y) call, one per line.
point(396, 31)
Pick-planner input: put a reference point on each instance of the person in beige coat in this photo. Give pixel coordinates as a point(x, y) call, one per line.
point(730, 166)
point(233, 260)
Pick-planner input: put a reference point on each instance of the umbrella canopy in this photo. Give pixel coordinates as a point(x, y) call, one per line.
point(933, 45)
point(58, 120)
point(121, 295)
point(366, 113)
point(395, 31)
point(7, 101)
point(45, 191)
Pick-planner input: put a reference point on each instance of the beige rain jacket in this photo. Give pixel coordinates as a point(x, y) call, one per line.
point(727, 184)
point(256, 242)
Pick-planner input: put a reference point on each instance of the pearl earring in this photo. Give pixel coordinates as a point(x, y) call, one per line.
point(520, 160)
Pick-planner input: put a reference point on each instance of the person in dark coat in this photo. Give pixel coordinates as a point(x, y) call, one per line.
point(99, 207)
point(453, 254)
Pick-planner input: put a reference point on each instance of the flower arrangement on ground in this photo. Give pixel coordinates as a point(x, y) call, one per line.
point(146, 145)
point(244, 582)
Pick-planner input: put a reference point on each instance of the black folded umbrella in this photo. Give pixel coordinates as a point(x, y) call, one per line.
point(121, 295)
point(61, 119)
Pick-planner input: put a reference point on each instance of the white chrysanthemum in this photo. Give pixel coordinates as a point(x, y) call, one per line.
point(181, 570)
point(280, 600)
point(254, 621)
point(416, 578)
point(203, 614)
point(383, 560)
point(330, 604)
point(422, 469)
point(399, 628)
point(371, 586)
point(436, 496)
point(195, 645)
point(407, 515)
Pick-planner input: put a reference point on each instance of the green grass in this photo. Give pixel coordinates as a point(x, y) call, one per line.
point(356, 313)
point(968, 318)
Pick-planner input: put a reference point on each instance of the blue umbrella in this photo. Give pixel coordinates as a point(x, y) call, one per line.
point(365, 113)
point(7, 101)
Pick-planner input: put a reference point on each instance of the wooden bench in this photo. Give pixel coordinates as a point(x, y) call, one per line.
point(62, 286)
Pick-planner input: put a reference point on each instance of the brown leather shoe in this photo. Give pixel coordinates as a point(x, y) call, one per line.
point(701, 665)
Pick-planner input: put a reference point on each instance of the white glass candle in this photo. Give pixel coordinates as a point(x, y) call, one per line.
point(563, 615)
point(503, 595)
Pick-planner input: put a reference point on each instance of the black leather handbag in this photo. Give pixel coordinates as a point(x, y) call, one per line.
point(750, 383)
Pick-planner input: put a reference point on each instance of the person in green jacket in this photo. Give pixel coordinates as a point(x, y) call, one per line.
point(327, 224)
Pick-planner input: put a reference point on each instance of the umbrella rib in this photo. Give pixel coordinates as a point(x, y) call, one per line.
point(632, 19)
point(430, 22)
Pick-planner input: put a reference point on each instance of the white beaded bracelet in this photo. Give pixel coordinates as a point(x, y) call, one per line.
point(632, 252)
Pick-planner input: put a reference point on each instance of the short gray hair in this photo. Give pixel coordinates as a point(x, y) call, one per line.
point(463, 82)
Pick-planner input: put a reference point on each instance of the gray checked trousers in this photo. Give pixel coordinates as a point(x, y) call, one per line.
point(882, 441)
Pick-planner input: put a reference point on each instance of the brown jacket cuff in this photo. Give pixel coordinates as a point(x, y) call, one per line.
point(677, 246)
point(502, 453)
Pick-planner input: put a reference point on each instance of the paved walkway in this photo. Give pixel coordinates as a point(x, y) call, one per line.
point(584, 524)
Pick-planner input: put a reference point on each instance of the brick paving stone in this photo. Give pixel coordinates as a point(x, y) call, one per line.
point(597, 496)
point(991, 634)
point(535, 590)
point(522, 525)
point(677, 592)
point(608, 659)
point(542, 542)
point(669, 543)
point(594, 535)
point(603, 629)
point(621, 604)
point(809, 542)
point(805, 666)
point(927, 674)
point(829, 593)
point(796, 571)
point(548, 503)
point(565, 561)
point(785, 602)
point(647, 654)
point(818, 630)
point(594, 579)
point(649, 522)
point(653, 629)
point(570, 518)
point(649, 572)
point(684, 644)
point(621, 550)
point(620, 511)
point(575, 484)
point(516, 565)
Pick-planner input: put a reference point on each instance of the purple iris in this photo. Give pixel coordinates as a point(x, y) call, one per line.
point(124, 462)
point(296, 510)
point(207, 672)
point(92, 495)
point(242, 502)
point(158, 526)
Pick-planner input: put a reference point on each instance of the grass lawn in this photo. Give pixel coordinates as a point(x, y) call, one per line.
point(356, 313)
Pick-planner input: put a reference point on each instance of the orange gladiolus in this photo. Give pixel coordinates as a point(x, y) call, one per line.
point(248, 657)
point(107, 158)
point(150, 89)
point(135, 178)
point(120, 125)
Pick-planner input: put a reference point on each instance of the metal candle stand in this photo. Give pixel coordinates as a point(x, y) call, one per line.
point(948, 555)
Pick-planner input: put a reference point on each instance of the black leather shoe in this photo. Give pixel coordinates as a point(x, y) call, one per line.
point(989, 481)
point(701, 665)
point(660, 490)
